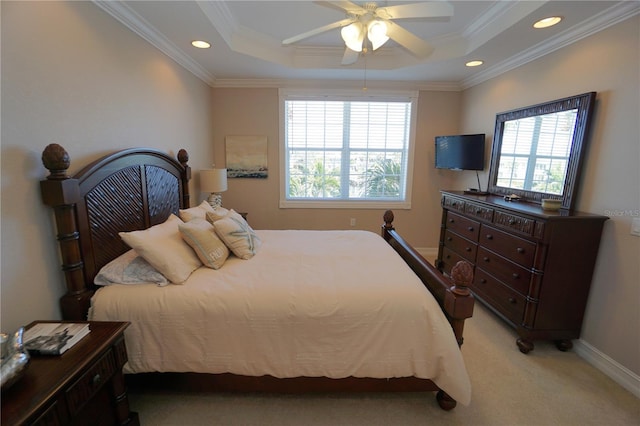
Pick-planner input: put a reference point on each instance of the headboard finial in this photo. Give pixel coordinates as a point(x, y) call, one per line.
point(183, 157)
point(56, 160)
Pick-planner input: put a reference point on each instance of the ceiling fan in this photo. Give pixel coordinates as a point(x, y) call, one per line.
point(378, 26)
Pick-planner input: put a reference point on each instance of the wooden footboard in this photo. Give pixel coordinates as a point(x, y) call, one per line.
point(452, 293)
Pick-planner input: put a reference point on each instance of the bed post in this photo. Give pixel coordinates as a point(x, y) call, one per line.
point(452, 293)
point(63, 193)
point(183, 159)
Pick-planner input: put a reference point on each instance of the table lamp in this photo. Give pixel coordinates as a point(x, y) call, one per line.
point(213, 181)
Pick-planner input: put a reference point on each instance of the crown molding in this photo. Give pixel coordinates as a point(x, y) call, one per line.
point(606, 19)
point(436, 86)
point(136, 23)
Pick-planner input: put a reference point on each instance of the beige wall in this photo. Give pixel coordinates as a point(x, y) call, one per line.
point(255, 112)
point(607, 63)
point(73, 75)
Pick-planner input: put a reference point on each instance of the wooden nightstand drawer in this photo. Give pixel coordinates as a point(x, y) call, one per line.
point(467, 228)
point(83, 386)
point(90, 382)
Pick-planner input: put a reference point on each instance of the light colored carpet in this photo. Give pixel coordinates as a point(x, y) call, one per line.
point(545, 387)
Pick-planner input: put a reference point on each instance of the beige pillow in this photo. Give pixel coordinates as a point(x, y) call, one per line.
point(202, 238)
point(217, 214)
point(196, 212)
point(163, 247)
point(237, 234)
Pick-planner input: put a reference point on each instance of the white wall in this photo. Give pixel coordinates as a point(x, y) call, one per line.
point(607, 63)
point(73, 75)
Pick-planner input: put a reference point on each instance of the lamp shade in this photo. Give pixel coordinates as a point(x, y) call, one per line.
point(377, 34)
point(213, 180)
point(353, 36)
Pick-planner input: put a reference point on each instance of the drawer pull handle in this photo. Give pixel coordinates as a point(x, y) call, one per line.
point(448, 256)
point(449, 238)
point(516, 275)
point(486, 259)
point(483, 281)
point(520, 250)
point(489, 237)
point(470, 229)
point(451, 220)
point(478, 211)
point(467, 249)
point(512, 221)
point(96, 379)
point(512, 300)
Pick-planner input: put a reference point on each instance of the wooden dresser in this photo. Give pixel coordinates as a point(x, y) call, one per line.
point(531, 267)
point(83, 386)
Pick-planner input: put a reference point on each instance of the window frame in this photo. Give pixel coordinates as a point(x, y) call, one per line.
point(410, 96)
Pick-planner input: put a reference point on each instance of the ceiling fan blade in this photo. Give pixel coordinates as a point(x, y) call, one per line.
point(430, 9)
point(350, 57)
point(418, 47)
point(344, 6)
point(317, 31)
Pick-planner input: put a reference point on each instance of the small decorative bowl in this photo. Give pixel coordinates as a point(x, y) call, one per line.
point(551, 204)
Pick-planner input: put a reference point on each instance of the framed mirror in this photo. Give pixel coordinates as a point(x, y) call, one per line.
point(537, 150)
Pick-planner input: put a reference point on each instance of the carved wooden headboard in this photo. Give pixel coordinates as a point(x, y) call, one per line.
point(128, 190)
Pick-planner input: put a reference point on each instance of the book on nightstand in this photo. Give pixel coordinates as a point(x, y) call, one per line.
point(53, 338)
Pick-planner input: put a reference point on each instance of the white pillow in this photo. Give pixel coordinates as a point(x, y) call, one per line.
point(129, 268)
point(217, 214)
point(237, 235)
point(196, 212)
point(163, 247)
point(202, 238)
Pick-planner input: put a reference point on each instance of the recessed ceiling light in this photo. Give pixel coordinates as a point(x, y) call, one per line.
point(474, 63)
point(547, 22)
point(200, 44)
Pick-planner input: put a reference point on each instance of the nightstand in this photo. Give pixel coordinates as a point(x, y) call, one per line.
point(83, 386)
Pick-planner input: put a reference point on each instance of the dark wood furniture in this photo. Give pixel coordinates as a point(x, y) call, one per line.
point(83, 386)
point(532, 267)
point(136, 188)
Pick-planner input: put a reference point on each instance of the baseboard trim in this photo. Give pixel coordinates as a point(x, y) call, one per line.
point(614, 370)
point(428, 253)
point(617, 372)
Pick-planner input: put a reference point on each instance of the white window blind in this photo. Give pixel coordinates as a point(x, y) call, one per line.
point(346, 150)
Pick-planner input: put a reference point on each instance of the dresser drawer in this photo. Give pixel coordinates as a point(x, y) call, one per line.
point(481, 212)
point(449, 259)
point(453, 203)
point(462, 246)
point(512, 274)
point(91, 381)
point(513, 248)
point(514, 222)
point(508, 302)
point(463, 226)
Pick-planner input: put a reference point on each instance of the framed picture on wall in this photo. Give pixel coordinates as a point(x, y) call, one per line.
point(246, 156)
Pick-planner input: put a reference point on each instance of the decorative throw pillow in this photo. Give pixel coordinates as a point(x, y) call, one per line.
point(217, 214)
point(202, 238)
point(129, 268)
point(163, 247)
point(237, 235)
point(199, 211)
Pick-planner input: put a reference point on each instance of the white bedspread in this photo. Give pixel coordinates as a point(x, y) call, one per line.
point(310, 303)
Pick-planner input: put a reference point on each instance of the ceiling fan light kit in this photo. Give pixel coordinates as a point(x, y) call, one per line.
point(377, 23)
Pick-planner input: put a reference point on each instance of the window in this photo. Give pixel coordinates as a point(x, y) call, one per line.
point(346, 151)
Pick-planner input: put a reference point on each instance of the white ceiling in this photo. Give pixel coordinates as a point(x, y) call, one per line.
point(247, 50)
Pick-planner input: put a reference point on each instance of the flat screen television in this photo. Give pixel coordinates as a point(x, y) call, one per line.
point(460, 152)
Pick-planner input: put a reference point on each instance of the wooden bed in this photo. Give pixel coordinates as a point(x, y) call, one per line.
point(135, 189)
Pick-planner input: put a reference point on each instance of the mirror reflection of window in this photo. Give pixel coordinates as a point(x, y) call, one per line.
point(535, 152)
